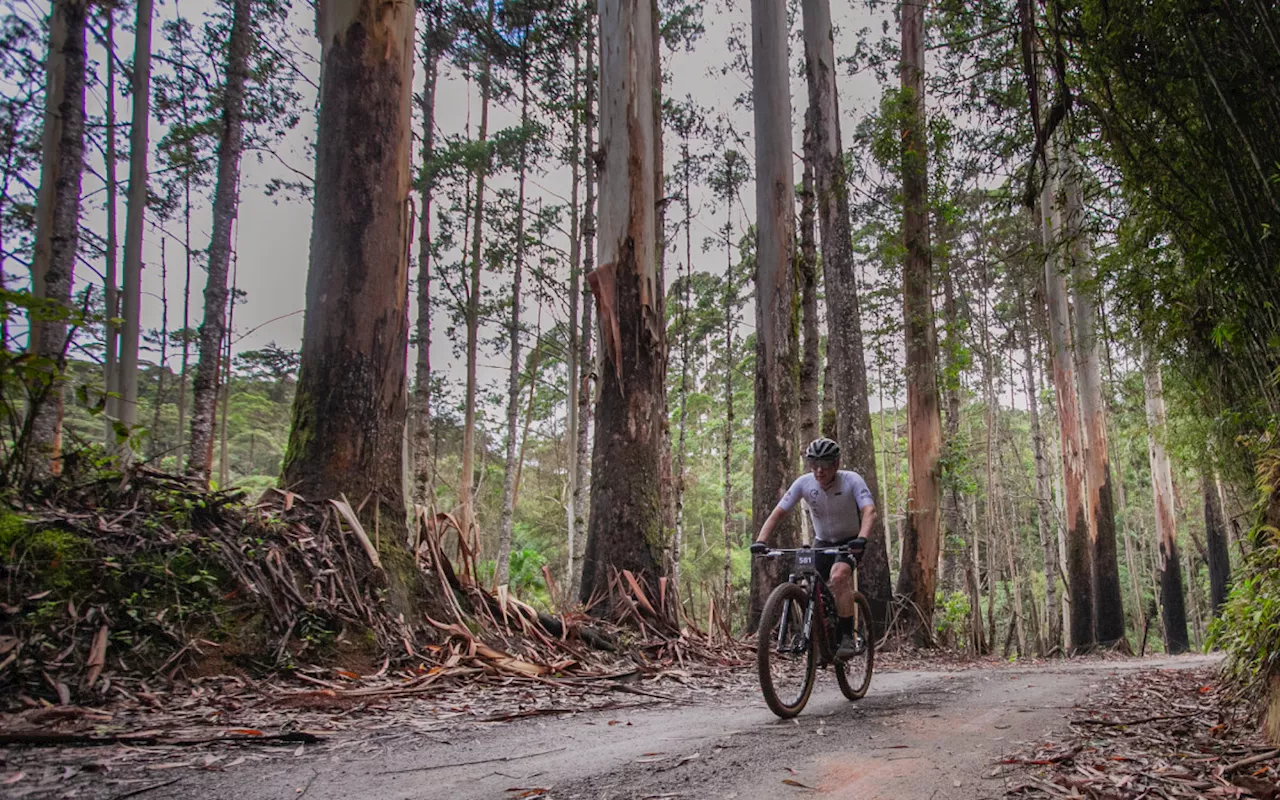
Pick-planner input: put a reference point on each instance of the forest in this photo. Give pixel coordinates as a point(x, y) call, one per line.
point(583, 279)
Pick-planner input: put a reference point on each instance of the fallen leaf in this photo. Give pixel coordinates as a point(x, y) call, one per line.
point(244, 732)
point(797, 784)
point(10, 780)
point(97, 656)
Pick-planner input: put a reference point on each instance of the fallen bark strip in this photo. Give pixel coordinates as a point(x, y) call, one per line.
point(473, 763)
point(1143, 721)
point(145, 789)
point(41, 739)
point(1246, 762)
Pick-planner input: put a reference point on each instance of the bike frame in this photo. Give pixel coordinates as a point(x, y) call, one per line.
point(819, 596)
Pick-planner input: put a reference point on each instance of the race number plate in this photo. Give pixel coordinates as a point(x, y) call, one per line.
point(806, 561)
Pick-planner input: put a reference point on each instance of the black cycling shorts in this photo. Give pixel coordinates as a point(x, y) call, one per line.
point(825, 561)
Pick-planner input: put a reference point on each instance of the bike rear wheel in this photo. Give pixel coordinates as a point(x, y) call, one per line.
point(785, 658)
point(854, 675)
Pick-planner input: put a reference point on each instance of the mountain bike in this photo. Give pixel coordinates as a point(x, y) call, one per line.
point(797, 633)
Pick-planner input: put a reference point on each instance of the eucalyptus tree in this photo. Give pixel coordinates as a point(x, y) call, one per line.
point(349, 412)
point(777, 349)
point(920, 536)
point(626, 523)
point(131, 300)
point(825, 150)
point(57, 227)
point(1172, 598)
point(435, 39)
point(256, 103)
point(685, 120)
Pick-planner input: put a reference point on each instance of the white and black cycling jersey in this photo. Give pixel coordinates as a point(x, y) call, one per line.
point(836, 510)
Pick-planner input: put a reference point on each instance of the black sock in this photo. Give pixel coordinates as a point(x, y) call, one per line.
point(844, 626)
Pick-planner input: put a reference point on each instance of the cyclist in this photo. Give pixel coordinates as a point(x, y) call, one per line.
point(842, 509)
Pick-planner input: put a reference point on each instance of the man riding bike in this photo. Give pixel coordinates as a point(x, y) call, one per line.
point(842, 509)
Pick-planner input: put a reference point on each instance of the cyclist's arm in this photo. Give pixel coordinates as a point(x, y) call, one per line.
point(868, 519)
point(767, 528)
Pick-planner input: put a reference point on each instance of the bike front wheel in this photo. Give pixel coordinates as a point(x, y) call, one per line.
point(854, 675)
point(784, 655)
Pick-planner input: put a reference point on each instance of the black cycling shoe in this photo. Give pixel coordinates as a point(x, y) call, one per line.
point(851, 644)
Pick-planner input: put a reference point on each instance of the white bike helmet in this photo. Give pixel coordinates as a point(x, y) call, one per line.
point(822, 450)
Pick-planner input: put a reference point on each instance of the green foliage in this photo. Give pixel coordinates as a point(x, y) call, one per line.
point(1249, 629)
point(951, 616)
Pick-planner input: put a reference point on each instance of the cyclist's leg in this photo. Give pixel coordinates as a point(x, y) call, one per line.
point(841, 582)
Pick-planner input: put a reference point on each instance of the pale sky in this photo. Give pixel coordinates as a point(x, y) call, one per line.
point(272, 234)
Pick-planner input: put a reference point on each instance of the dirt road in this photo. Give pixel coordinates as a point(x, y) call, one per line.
point(916, 736)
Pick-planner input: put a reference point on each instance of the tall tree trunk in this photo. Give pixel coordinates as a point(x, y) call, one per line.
point(1215, 534)
point(111, 281)
point(828, 424)
point(729, 300)
point(777, 357)
point(891, 551)
point(1172, 600)
point(226, 203)
point(575, 291)
point(953, 500)
point(627, 511)
point(350, 411)
point(677, 543)
point(1045, 516)
point(1079, 553)
point(809, 368)
point(466, 502)
point(224, 461)
point(57, 225)
point(134, 219)
point(157, 450)
point(844, 322)
point(421, 416)
point(919, 571)
point(506, 521)
point(180, 450)
point(581, 489)
point(809, 323)
point(726, 455)
point(1108, 602)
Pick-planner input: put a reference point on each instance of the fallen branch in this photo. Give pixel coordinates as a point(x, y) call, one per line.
point(40, 739)
point(1250, 761)
point(472, 763)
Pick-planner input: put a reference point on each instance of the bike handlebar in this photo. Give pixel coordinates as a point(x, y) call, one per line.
point(844, 549)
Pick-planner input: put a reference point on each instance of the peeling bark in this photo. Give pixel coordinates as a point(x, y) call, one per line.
point(627, 511)
point(1108, 602)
